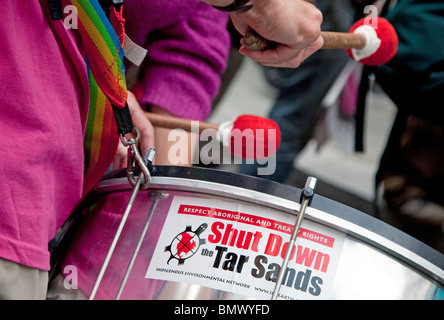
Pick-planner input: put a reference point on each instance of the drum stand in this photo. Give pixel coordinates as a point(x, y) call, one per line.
point(306, 197)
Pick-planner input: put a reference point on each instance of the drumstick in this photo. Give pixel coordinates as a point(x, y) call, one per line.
point(158, 120)
point(363, 43)
point(249, 133)
point(332, 40)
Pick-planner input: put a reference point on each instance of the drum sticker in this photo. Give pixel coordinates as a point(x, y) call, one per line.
point(185, 244)
point(239, 248)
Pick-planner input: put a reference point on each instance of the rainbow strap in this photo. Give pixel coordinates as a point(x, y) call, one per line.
point(104, 57)
point(101, 138)
point(103, 50)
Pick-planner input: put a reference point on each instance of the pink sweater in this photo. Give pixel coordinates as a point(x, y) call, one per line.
point(187, 50)
point(43, 104)
point(44, 100)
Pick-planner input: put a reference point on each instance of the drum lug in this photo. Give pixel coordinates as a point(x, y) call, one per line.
point(306, 197)
point(158, 195)
point(308, 191)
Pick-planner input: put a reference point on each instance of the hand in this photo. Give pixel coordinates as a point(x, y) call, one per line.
point(146, 133)
point(294, 24)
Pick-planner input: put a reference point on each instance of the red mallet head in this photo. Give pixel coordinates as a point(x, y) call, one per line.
point(381, 42)
point(254, 137)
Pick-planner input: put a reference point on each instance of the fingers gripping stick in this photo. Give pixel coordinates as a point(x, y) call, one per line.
point(363, 43)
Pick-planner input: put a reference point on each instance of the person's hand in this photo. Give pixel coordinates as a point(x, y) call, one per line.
point(295, 25)
point(146, 133)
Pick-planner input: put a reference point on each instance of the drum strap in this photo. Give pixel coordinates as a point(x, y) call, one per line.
point(108, 111)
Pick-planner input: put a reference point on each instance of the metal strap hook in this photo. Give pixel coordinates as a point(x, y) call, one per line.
point(135, 160)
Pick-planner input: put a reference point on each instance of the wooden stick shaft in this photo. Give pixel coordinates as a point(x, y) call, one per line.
point(158, 120)
point(332, 40)
point(340, 40)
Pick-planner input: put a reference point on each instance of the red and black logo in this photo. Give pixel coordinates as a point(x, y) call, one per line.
point(186, 244)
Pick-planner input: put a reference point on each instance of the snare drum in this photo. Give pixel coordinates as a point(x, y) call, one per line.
point(207, 234)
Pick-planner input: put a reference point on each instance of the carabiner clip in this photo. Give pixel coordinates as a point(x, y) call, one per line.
point(135, 159)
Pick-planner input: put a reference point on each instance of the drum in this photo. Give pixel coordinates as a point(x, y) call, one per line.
point(200, 233)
